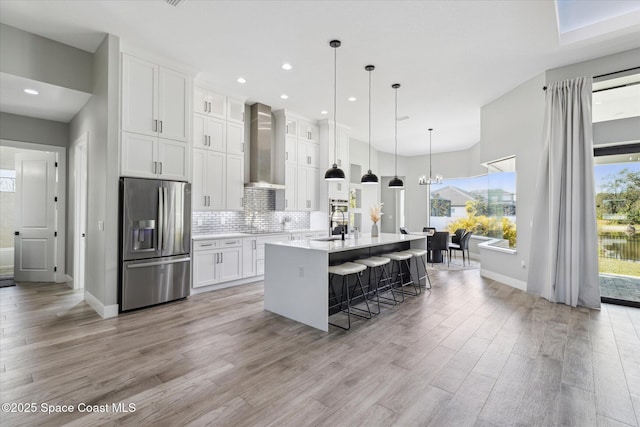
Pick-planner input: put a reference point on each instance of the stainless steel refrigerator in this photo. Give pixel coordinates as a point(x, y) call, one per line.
point(155, 242)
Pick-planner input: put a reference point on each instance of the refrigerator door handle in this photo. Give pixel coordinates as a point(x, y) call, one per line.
point(160, 218)
point(165, 215)
point(152, 264)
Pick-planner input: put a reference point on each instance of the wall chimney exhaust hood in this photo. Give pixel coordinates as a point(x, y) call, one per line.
point(262, 154)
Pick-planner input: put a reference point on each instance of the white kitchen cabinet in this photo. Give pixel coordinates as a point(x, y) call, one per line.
point(235, 183)
point(308, 131)
point(235, 110)
point(308, 154)
point(290, 149)
point(208, 189)
point(249, 256)
point(209, 133)
point(216, 261)
point(235, 138)
point(291, 127)
point(291, 185)
point(145, 156)
point(209, 103)
point(308, 181)
point(154, 99)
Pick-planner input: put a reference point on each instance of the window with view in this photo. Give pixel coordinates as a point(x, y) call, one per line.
point(484, 205)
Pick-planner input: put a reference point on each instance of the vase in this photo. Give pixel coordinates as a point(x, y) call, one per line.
point(374, 230)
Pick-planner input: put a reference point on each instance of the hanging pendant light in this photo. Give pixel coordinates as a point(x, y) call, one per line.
point(396, 183)
point(334, 173)
point(369, 177)
point(423, 179)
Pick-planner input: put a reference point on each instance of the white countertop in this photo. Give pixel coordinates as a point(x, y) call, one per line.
point(210, 236)
point(364, 241)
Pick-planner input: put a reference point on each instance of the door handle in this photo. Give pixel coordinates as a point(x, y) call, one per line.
point(84, 235)
point(16, 233)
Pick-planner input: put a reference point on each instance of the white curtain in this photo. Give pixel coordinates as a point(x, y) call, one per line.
point(564, 249)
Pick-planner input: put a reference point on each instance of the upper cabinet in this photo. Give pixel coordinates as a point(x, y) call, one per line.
point(156, 128)
point(154, 100)
point(209, 103)
point(235, 110)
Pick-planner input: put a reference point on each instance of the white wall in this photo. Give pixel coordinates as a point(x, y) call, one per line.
point(37, 58)
point(359, 155)
point(30, 129)
point(99, 118)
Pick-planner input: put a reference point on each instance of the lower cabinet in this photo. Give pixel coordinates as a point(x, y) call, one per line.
point(216, 261)
point(249, 256)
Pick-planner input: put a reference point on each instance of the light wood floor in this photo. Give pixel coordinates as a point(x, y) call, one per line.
point(470, 352)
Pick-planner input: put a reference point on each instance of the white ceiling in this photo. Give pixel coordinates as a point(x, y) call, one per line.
point(451, 57)
point(52, 103)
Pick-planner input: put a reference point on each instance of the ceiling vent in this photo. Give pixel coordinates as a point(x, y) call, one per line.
point(175, 2)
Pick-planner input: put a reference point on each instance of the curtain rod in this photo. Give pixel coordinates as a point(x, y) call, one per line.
point(607, 74)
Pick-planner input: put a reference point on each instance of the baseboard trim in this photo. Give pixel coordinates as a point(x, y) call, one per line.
point(515, 283)
point(105, 311)
point(69, 281)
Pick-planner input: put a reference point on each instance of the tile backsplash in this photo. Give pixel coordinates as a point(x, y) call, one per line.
point(259, 216)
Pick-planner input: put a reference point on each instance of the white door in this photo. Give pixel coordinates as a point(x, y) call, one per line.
point(35, 217)
point(139, 96)
point(80, 229)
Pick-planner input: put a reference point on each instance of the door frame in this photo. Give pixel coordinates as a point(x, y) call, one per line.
point(80, 162)
point(60, 275)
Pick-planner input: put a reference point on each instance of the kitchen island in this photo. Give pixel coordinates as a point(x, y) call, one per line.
point(296, 272)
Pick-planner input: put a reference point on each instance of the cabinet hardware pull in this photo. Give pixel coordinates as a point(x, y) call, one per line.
point(160, 126)
point(160, 168)
point(208, 244)
point(155, 126)
point(286, 155)
point(208, 200)
point(286, 203)
point(242, 201)
point(243, 117)
point(209, 107)
point(205, 106)
point(243, 147)
point(221, 257)
point(155, 167)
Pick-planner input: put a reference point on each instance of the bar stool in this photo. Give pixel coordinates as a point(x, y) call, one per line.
point(374, 263)
point(397, 259)
point(422, 254)
point(345, 270)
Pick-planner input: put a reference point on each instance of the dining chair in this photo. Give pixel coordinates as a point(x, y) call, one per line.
point(440, 244)
point(462, 246)
point(458, 235)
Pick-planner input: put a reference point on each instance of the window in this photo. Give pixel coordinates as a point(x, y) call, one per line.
point(7, 181)
point(485, 204)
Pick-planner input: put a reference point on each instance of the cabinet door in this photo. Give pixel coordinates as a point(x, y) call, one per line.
point(230, 266)
point(291, 185)
point(235, 182)
point(235, 110)
point(172, 105)
point(200, 101)
point(313, 184)
point(249, 257)
point(217, 105)
point(290, 149)
point(198, 193)
point(314, 132)
point(291, 128)
point(343, 149)
point(173, 160)
point(313, 151)
point(139, 156)
point(217, 134)
point(216, 180)
point(302, 201)
point(139, 96)
point(200, 138)
point(303, 156)
point(235, 138)
point(204, 268)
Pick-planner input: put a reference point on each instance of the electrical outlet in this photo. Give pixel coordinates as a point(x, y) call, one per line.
point(522, 264)
point(301, 272)
point(101, 225)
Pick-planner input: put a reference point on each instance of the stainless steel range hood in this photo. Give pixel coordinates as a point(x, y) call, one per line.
point(262, 149)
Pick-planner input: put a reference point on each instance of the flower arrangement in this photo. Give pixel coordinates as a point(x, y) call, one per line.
point(375, 213)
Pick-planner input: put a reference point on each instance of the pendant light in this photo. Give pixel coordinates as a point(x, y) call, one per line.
point(423, 179)
point(334, 173)
point(369, 177)
point(396, 183)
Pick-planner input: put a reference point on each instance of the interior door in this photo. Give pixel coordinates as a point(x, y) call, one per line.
point(35, 217)
point(81, 214)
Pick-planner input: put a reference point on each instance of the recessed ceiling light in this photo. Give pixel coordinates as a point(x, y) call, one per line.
point(284, 96)
point(352, 98)
point(287, 66)
point(241, 80)
point(324, 112)
point(31, 92)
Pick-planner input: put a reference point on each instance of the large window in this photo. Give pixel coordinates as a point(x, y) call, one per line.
point(485, 205)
